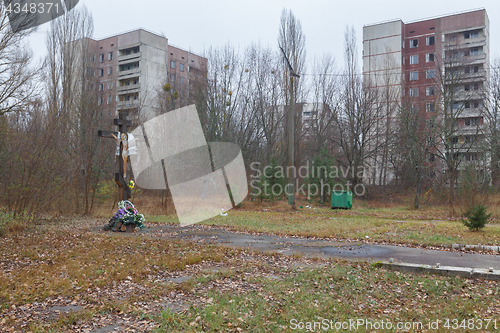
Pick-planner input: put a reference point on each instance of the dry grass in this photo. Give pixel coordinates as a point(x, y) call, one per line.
point(114, 276)
point(66, 261)
point(341, 292)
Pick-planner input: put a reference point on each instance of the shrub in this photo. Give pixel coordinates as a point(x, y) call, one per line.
point(476, 217)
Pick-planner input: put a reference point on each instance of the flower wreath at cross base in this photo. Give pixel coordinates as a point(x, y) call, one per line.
point(127, 214)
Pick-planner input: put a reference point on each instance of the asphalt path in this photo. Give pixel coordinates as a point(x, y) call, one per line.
point(327, 249)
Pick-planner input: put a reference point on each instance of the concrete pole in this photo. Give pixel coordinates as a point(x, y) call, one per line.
point(291, 148)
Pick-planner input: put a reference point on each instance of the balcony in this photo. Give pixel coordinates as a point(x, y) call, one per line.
point(466, 43)
point(131, 88)
point(130, 72)
point(475, 59)
point(130, 104)
point(463, 95)
point(477, 76)
point(133, 56)
point(462, 61)
point(472, 130)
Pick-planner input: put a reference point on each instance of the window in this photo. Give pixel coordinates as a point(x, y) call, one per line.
point(99, 101)
point(414, 59)
point(110, 99)
point(413, 43)
point(471, 157)
point(110, 85)
point(101, 57)
point(110, 70)
point(413, 76)
point(172, 64)
point(91, 87)
point(472, 86)
point(430, 91)
point(101, 87)
point(181, 67)
point(432, 157)
point(182, 80)
point(430, 40)
point(110, 56)
point(91, 72)
point(101, 72)
point(474, 51)
point(306, 113)
point(430, 107)
point(471, 121)
point(172, 78)
point(403, 60)
point(92, 58)
point(471, 34)
point(467, 105)
point(429, 57)
point(403, 43)
point(413, 92)
point(430, 73)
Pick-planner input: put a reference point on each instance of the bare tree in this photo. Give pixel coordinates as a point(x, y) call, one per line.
point(455, 104)
point(318, 126)
point(74, 100)
point(357, 115)
point(17, 78)
point(416, 145)
point(491, 113)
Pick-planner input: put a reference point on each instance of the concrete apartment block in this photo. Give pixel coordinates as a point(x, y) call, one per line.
point(132, 67)
point(410, 60)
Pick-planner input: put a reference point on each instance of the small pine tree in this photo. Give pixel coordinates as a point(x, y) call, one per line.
point(321, 175)
point(476, 217)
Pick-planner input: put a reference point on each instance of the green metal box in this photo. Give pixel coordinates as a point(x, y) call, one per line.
point(342, 199)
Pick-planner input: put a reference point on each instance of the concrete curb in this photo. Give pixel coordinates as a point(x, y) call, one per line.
point(478, 247)
point(469, 273)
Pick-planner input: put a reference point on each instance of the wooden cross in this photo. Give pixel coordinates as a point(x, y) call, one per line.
point(121, 176)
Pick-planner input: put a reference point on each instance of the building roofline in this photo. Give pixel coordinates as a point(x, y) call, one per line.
point(131, 30)
point(185, 50)
point(428, 18)
point(151, 32)
point(382, 22)
point(446, 15)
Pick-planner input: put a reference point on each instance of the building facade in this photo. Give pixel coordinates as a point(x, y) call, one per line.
point(132, 68)
point(440, 66)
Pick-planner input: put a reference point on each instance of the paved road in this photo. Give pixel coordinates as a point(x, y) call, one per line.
point(350, 251)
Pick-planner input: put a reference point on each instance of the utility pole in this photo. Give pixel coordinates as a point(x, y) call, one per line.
point(291, 136)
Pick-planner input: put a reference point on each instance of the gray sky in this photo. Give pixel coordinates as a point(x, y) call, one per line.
point(198, 24)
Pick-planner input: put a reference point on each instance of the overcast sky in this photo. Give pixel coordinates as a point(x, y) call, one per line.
point(198, 24)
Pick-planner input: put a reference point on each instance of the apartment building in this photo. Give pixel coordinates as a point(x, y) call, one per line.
point(435, 63)
point(131, 68)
